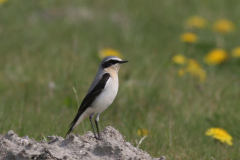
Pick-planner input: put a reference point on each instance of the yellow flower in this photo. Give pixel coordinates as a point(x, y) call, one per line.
point(142, 132)
point(195, 69)
point(189, 37)
point(109, 52)
point(3, 1)
point(224, 26)
point(196, 22)
point(181, 72)
point(216, 56)
point(236, 52)
point(179, 59)
point(220, 134)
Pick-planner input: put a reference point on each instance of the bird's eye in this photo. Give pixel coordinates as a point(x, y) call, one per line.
point(113, 61)
point(110, 63)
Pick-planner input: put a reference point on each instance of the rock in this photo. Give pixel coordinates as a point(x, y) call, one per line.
point(113, 146)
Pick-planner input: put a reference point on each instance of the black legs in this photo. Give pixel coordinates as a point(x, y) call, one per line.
point(90, 117)
point(96, 122)
point(99, 136)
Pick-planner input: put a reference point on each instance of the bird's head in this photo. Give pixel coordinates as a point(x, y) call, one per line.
point(112, 63)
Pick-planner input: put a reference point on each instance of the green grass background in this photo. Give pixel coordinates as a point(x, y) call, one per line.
point(58, 41)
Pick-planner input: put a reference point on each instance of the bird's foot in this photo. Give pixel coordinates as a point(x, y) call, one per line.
point(98, 138)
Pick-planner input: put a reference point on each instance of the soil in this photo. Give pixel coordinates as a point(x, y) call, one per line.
point(111, 147)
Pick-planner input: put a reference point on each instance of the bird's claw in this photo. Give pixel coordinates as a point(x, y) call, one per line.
point(98, 138)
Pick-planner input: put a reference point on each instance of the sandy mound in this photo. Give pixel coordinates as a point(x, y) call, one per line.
point(113, 146)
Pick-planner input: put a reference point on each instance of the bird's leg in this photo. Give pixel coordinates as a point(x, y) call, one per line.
point(90, 117)
point(96, 121)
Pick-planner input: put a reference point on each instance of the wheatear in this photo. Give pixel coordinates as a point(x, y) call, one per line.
point(101, 93)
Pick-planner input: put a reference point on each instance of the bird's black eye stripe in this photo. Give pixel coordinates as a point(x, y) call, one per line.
point(109, 63)
point(114, 61)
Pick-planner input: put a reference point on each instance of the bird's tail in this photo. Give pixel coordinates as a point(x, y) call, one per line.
point(71, 128)
point(79, 118)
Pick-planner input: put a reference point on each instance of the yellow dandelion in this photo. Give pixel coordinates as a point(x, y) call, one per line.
point(142, 132)
point(196, 22)
point(224, 26)
point(109, 52)
point(179, 59)
point(220, 134)
point(189, 37)
point(3, 1)
point(216, 56)
point(193, 64)
point(195, 69)
point(181, 72)
point(236, 52)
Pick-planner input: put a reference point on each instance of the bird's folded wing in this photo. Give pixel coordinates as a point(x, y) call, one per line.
point(90, 97)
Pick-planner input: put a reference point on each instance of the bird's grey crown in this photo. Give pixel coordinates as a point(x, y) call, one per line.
point(108, 58)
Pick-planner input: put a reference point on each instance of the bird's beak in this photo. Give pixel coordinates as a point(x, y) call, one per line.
point(123, 62)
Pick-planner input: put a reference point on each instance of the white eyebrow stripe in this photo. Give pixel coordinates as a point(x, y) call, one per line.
point(117, 59)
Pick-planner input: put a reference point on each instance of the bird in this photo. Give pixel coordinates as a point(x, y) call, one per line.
point(101, 93)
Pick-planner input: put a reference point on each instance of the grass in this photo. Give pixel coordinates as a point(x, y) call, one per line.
point(44, 42)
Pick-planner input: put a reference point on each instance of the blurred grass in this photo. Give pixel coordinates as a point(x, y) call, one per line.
point(44, 42)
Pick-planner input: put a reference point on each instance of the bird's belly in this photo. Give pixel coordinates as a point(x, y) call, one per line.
point(106, 97)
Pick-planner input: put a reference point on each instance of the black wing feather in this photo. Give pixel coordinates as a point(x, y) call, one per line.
point(89, 98)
